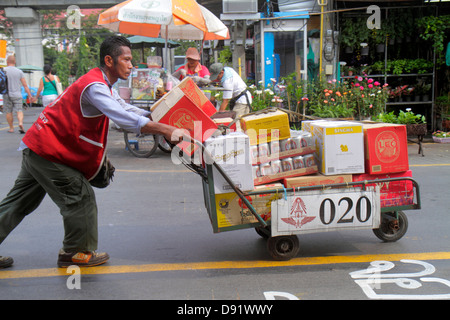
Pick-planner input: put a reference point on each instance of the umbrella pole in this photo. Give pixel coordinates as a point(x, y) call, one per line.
point(166, 58)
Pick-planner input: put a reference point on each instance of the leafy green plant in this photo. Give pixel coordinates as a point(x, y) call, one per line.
point(434, 29)
point(409, 117)
point(386, 117)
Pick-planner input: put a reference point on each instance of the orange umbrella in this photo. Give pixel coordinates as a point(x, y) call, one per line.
point(170, 19)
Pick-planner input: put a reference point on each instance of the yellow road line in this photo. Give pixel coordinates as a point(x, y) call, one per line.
point(53, 272)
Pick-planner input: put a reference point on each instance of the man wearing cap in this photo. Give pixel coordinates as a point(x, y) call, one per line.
point(193, 68)
point(235, 95)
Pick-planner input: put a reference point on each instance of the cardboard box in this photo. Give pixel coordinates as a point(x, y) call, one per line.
point(232, 153)
point(306, 124)
point(191, 90)
point(285, 174)
point(266, 127)
point(316, 179)
point(185, 107)
point(386, 148)
point(226, 122)
point(339, 147)
point(394, 193)
point(231, 210)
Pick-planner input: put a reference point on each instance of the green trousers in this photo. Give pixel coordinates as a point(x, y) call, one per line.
point(68, 189)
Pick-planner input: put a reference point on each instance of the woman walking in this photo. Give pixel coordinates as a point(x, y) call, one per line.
point(48, 84)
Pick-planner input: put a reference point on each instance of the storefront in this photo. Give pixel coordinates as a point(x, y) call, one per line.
point(281, 46)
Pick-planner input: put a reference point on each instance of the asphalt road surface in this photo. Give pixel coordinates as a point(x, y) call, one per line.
point(154, 225)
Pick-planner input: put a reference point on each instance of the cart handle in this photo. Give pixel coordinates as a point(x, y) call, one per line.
point(208, 159)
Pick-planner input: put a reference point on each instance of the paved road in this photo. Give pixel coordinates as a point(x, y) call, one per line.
point(153, 223)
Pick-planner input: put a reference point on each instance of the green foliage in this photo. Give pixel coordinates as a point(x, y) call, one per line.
point(407, 117)
point(225, 56)
point(402, 66)
point(434, 29)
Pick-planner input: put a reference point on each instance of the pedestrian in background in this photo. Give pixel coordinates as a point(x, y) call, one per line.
point(48, 85)
point(12, 101)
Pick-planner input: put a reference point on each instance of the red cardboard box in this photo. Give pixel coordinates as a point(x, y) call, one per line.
point(316, 179)
point(386, 148)
point(395, 193)
point(193, 92)
point(186, 107)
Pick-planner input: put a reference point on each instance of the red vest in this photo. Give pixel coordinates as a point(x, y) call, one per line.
point(62, 134)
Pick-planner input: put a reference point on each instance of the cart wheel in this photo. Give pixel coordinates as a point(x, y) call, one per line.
point(142, 145)
point(264, 232)
point(283, 248)
point(164, 145)
point(392, 229)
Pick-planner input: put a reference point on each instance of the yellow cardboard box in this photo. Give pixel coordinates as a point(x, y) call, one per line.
point(266, 127)
point(232, 211)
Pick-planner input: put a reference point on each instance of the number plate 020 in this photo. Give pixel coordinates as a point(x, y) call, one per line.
point(326, 210)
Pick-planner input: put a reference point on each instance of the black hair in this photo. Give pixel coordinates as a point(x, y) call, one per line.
point(47, 69)
point(112, 46)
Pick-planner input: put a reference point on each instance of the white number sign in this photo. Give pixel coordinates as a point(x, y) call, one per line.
point(326, 210)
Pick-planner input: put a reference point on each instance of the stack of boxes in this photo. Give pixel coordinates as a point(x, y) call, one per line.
point(362, 151)
point(268, 152)
point(277, 152)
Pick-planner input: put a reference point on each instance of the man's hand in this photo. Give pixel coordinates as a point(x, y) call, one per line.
point(172, 134)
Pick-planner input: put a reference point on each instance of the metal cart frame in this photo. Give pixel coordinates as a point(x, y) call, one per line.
point(393, 222)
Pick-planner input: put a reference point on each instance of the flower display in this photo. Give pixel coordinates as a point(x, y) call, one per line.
point(362, 97)
point(441, 134)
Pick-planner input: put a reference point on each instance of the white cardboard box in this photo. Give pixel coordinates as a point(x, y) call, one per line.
point(232, 153)
point(339, 147)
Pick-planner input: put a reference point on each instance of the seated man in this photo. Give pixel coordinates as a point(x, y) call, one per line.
point(193, 68)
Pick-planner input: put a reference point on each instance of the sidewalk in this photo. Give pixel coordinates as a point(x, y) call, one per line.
point(433, 153)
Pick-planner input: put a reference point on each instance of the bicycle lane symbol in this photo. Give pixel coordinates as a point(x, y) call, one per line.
point(373, 278)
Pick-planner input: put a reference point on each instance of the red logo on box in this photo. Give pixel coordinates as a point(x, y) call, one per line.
point(387, 146)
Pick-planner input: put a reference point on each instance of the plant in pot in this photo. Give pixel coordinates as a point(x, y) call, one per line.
point(416, 124)
point(379, 38)
point(351, 70)
point(443, 107)
point(348, 35)
point(422, 89)
point(408, 93)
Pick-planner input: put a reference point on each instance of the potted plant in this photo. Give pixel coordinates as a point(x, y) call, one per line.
point(441, 136)
point(351, 70)
point(408, 93)
point(379, 38)
point(423, 89)
point(443, 109)
point(416, 124)
point(348, 35)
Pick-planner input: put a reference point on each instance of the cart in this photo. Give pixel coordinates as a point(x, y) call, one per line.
point(319, 208)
